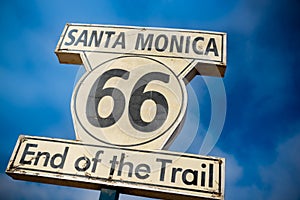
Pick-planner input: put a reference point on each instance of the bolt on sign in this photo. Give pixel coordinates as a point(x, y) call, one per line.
point(130, 104)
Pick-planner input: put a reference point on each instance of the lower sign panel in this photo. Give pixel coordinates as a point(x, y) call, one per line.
point(157, 174)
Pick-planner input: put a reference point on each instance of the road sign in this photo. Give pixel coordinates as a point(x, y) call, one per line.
point(133, 93)
point(201, 46)
point(163, 174)
point(130, 103)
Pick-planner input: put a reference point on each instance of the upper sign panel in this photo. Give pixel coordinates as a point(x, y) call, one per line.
point(133, 92)
point(207, 47)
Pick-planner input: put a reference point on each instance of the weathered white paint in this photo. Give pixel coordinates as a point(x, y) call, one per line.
point(158, 174)
point(193, 45)
point(178, 54)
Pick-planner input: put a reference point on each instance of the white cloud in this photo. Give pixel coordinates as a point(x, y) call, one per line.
point(234, 173)
point(233, 170)
point(13, 190)
point(282, 177)
point(278, 180)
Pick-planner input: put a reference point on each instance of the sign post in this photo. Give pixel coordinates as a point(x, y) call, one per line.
point(108, 194)
point(127, 108)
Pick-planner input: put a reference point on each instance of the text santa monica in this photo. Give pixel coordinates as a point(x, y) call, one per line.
point(147, 41)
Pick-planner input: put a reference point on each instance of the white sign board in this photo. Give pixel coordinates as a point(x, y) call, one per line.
point(133, 93)
point(157, 174)
point(132, 97)
point(200, 46)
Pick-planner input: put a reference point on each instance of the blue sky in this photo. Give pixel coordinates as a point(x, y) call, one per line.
point(261, 136)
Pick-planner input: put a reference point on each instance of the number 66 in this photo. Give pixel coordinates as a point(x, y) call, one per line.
point(137, 98)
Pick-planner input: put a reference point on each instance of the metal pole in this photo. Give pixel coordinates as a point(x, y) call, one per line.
point(108, 194)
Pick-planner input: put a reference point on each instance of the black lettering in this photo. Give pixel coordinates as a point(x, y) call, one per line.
point(175, 42)
point(196, 50)
point(142, 168)
point(174, 171)
point(203, 179)
point(203, 174)
point(39, 154)
point(163, 167)
point(211, 46)
point(187, 44)
point(165, 42)
point(82, 38)
point(26, 152)
point(122, 164)
point(138, 96)
point(109, 34)
point(113, 162)
point(71, 37)
point(96, 160)
point(85, 166)
point(97, 40)
point(195, 177)
point(140, 40)
point(120, 40)
point(211, 175)
point(62, 159)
